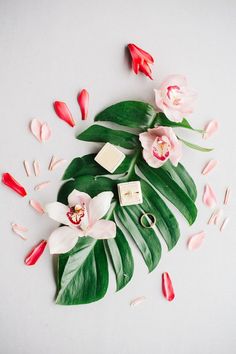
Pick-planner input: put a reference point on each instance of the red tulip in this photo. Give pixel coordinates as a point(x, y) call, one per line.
point(64, 113)
point(167, 287)
point(83, 100)
point(9, 181)
point(35, 253)
point(140, 60)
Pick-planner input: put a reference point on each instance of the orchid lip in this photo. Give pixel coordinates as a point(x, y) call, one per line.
point(76, 214)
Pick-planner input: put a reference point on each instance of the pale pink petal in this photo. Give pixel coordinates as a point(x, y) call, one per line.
point(36, 167)
point(45, 132)
point(57, 163)
point(209, 198)
point(147, 139)
point(19, 230)
point(62, 240)
point(218, 216)
point(83, 100)
point(176, 153)
point(27, 168)
point(35, 127)
point(99, 206)
point(102, 229)
point(77, 197)
point(53, 159)
point(196, 240)
point(37, 206)
point(227, 195)
point(41, 186)
point(223, 225)
point(151, 160)
point(58, 212)
point(212, 217)
point(159, 99)
point(137, 301)
point(174, 116)
point(210, 129)
point(209, 166)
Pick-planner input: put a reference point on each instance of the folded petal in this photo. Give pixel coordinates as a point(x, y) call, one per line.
point(58, 212)
point(102, 229)
point(35, 128)
point(83, 100)
point(45, 132)
point(99, 206)
point(62, 240)
point(209, 166)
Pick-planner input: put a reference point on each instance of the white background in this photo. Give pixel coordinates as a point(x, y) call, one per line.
point(52, 49)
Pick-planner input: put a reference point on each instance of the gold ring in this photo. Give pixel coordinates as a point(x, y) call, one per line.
point(148, 216)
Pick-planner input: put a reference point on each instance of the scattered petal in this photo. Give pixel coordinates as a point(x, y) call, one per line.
point(27, 168)
point(35, 127)
point(83, 101)
point(36, 167)
point(10, 182)
point(45, 132)
point(196, 240)
point(19, 230)
point(167, 287)
point(209, 166)
point(41, 185)
point(210, 129)
point(53, 159)
point(137, 301)
point(64, 113)
point(218, 216)
point(57, 164)
point(224, 223)
point(227, 195)
point(35, 253)
point(212, 217)
point(209, 198)
point(37, 206)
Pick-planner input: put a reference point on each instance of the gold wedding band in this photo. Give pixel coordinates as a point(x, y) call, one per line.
point(148, 216)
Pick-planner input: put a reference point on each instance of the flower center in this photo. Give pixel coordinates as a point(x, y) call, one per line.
point(173, 94)
point(76, 214)
point(161, 148)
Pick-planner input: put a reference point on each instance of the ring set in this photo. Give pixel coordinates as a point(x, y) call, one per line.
point(150, 218)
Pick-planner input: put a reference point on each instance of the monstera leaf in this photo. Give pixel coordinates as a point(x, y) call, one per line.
point(83, 272)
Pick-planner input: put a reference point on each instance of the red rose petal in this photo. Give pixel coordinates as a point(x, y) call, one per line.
point(35, 253)
point(167, 287)
point(10, 182)
point(83, 100)
point(64, 113)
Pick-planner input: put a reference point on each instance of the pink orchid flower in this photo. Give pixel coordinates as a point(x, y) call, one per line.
point(174, 98)
point(82, 218)
point(160, 144)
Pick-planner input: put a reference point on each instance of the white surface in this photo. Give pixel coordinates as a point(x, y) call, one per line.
point(51, 50)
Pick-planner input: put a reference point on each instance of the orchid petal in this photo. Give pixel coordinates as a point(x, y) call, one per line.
point(210, 129)
point(196, 240)
point(137, 301)
point(62, 240)
point(83, 100)
point(19, 230)
point(77, 197)
point(209, 197)
point(102, 229)
point(209, 166)
point(35, 253)
point(58, 212)
point(35, 128)
point(45, 132)
point(64, 113)
point(10, 182)
point(167, 287)
point(36, 206)
point(99, 206)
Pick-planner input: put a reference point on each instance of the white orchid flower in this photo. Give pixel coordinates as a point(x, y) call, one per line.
point(82, 217)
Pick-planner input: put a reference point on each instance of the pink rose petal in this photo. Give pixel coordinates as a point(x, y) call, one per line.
point(57, 164)
point(210, 129)
point(36, 167)
point(27, 168)
point(41, 186)
point(37, 206)
point(35, 127)
point(227, 195)
point(19, 230)
point(167, 287)
point(45, 132)
point(137, 301)
point(224, 223)
point(209, 166)
point(209, 198)
point(196, 240)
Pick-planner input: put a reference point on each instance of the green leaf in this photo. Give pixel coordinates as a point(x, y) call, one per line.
point(121, 258)
point(182, 178)
point(195, 147)
point(98, 133)
point(161, 180)
point(85, 275)
point(145, 239)
point(161, 119)
point(87, 166)
point(133, 114)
